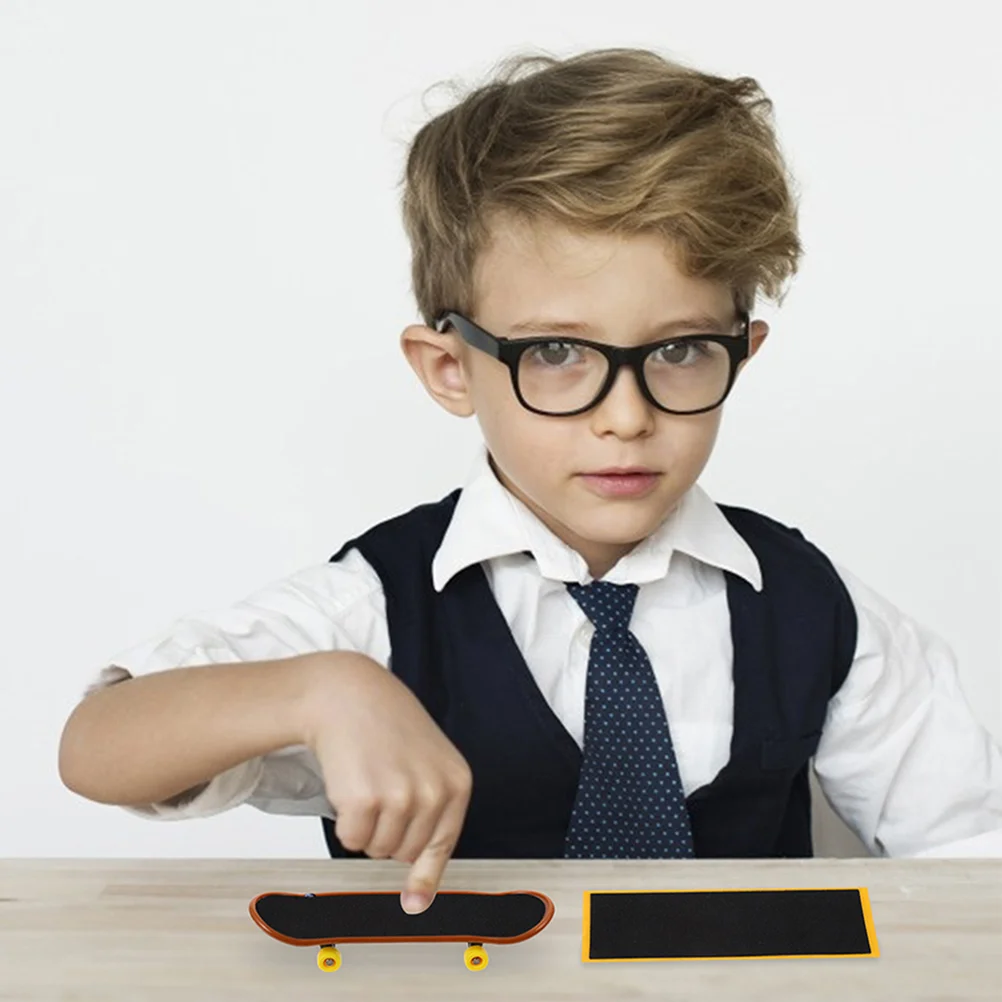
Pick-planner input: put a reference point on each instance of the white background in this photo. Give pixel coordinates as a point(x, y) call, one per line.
point(203, 278)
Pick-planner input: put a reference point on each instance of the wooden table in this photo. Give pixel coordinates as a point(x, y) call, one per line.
point(140, 930)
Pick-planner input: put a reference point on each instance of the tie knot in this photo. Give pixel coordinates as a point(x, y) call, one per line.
point(609, 606)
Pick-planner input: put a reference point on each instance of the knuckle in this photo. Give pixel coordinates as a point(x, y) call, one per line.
point(361, 802)
point(443, 840)
point(399, 799)
point(353, 843)
point(461, 780)
point(379, 847)
point(431, 793)
point(348, 835)
point(442, 845)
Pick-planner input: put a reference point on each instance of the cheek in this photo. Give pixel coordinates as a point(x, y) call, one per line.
point(704, 427)
point(692, 441)
point(532, 449)
point(527, 443)
point(503, 422)
point(710, 426)
point(489, 385)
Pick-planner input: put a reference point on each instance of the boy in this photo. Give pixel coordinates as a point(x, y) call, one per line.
point(590, 658)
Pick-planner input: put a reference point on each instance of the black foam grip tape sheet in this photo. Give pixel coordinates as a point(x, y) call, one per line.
point(675, 925)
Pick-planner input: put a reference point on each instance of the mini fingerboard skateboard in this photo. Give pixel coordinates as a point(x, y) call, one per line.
point(469, 917)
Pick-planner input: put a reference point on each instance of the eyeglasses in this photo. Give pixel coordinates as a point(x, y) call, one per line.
point(563, 376)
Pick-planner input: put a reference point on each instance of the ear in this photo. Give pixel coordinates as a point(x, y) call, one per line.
point(438, 360)
point(758, 332)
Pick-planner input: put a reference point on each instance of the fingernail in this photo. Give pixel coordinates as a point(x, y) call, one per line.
point(412, 902)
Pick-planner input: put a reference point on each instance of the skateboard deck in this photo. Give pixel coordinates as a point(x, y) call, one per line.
point(469, 917)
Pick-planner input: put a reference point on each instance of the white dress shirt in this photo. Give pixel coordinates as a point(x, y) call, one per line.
point(901, 758)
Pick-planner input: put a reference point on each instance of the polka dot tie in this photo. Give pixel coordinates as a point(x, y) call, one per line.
point(630, 803)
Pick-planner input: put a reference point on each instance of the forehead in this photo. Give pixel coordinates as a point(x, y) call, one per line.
point(546, 269)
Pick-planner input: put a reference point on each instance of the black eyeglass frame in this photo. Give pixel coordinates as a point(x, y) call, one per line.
point(509, 351)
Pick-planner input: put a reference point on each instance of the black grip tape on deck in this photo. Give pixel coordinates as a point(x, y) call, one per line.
point(348, 916)
point(658, 925)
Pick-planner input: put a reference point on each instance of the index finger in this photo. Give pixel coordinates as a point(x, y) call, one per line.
point(426, 872)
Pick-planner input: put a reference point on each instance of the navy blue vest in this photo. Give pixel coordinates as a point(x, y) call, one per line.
point(793, 644)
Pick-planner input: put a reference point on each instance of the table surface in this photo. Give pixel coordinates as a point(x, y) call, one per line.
point(179, 929)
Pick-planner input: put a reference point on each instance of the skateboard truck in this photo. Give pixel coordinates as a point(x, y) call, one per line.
point(475, 957)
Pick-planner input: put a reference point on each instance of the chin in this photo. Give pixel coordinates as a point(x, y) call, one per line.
point(617, 528)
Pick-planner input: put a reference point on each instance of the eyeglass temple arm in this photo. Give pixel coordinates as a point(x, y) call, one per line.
point(470, 333)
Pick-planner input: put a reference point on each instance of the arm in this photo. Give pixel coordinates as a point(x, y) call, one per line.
point(902, 758)
point(399, 787)
point(296, 669)
point(329, 607)
point(151, 738)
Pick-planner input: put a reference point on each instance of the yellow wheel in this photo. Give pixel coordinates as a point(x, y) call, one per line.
point(329, 958)
point(475, 958)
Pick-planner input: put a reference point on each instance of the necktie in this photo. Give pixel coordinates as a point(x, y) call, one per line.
point(630, 803)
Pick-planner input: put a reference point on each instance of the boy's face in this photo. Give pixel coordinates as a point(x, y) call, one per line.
point(623, 288)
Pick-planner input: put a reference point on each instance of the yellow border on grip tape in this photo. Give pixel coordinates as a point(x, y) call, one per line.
point(864, 899)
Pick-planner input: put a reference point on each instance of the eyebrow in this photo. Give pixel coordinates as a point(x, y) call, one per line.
point(703, 322)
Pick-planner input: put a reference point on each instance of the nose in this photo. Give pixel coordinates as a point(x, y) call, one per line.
point(624, 410)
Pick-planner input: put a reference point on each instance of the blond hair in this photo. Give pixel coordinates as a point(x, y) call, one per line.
point(619, 141)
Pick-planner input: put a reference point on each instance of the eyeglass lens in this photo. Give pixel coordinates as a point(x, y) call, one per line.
point(559, 377)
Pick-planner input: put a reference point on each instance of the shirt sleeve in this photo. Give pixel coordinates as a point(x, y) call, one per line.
point(902, 759)
point(332, 606)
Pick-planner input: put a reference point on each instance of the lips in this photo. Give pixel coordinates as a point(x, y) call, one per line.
point(621, 481)
point(622, 471)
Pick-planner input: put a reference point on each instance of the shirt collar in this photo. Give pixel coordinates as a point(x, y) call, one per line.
point(489, 521)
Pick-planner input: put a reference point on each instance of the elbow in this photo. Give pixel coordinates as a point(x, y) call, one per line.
point(70, 773)
point(79, 766)
point(72, 759)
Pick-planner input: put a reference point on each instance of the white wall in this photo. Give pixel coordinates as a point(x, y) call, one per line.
point(203, 278)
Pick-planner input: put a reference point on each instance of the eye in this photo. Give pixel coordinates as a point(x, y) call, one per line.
point(553, 353)
point(682, 352)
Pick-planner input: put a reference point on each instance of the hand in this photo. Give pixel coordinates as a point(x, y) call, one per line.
point(398, 786)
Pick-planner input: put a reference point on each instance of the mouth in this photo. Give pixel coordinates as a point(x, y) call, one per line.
point(621, 481)
point(622, 471)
